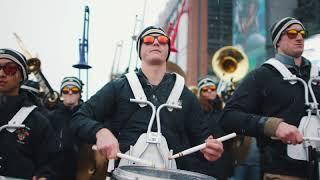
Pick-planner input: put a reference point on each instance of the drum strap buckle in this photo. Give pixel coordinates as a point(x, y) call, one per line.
point(153, 137)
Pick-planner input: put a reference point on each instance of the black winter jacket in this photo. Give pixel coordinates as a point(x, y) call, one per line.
point(65, 165)
point(223, 167)
point(264, 93)
point(110, 108)
point(25, 152)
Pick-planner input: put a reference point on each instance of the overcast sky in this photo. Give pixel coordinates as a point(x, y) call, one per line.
point(50, 29)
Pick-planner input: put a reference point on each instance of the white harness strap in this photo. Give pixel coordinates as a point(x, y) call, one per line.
point(176, 92)
point(281, 68)
point(136, 87)
point(314, 72)
point(139, 94)
point(152, 145)
point(20, 116)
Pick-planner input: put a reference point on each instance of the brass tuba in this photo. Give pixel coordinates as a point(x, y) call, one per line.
point(230, 64)
point(50, 97)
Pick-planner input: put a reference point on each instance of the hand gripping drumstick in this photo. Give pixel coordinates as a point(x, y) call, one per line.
point(201, 146)
point(130, 158)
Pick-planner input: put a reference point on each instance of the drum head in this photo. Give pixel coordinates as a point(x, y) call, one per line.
point(146, 173)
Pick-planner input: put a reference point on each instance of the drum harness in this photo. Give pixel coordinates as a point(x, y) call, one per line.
point(152, 146)
point(309, 125)
point(18, 118)
point(14, 124)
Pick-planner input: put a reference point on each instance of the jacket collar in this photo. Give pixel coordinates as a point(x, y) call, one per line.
point(289, 61)
point(144, 80)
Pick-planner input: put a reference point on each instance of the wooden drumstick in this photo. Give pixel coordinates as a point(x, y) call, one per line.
point(311, 139)
point(201, 146)
point(130, 158)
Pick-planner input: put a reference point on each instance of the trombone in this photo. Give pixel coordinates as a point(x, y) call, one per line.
point(50, 97)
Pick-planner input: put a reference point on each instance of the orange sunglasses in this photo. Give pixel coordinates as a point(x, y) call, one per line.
point(207, 88)
point(293, 33)
point(73, 89)
point(148, 40)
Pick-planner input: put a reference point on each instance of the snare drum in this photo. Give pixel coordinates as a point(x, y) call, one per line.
point(149, 173)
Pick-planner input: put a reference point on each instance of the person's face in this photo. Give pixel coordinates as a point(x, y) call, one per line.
point(209, 92)
point(154, 49)
point(291, 43)
point(71, 96)
point(10, 77)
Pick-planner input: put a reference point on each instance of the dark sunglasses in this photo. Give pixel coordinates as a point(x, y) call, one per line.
point(74, 90)
point(9, 69)
point(150, 39)
point(293, 33)
point(207, 88)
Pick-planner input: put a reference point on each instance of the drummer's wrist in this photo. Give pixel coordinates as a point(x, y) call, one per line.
point(271, 126)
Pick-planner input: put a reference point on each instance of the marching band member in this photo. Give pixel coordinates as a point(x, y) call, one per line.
point(109, 120)
point(24, 151)
point(32, 90)
point(212, 105)
point(66, 165)
point(265, 105)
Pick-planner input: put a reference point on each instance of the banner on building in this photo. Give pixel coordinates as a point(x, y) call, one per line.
point(249, 29)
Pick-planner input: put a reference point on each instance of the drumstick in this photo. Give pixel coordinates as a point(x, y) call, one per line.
point(304, 138)
point(201, 146)
point(134, 159)
point(311, 139)
point(130, 158)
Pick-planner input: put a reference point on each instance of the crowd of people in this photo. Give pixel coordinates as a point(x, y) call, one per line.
point(41, 143)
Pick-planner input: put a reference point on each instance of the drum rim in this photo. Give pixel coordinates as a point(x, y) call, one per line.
point(121, 173)
point(126, 175)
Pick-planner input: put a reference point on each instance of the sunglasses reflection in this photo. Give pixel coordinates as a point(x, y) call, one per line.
point(71, 90)
point(9, 69)
point(148, 40)
point(293, 33)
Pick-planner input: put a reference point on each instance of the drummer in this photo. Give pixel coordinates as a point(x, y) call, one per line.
point(266, 105)
point(109, 120)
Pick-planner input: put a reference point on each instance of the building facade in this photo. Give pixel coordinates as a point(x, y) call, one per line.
point(207, 25)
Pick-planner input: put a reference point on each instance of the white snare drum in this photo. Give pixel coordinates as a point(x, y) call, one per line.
point(310, 128)
point(149, 173)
